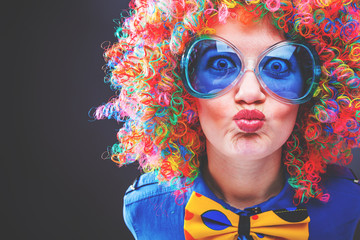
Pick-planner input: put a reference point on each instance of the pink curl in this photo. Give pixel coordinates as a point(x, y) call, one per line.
point(354, 82)
point(180, 196)
point(223, 13)
point(324, 197)
point(273, 5)
point(163, 100)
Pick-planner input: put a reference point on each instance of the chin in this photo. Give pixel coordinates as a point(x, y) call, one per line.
point(249, 149)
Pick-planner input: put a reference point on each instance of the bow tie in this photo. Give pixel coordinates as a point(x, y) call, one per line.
point(209, 220)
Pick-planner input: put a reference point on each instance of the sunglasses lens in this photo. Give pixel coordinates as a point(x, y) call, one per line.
point(288, 71)
point(211, 67)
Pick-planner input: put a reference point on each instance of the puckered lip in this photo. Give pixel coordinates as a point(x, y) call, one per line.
point(246, 114)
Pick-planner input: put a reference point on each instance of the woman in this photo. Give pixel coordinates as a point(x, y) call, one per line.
point(237, 112)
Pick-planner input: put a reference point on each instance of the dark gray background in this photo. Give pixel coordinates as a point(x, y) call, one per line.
point(56, 185)
point(54, 181)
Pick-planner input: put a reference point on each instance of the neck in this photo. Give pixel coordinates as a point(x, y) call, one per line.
point(244, 182)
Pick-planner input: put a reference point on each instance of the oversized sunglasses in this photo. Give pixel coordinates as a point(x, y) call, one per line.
point(288, 71)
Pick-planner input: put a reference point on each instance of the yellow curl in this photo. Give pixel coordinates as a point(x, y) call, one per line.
point(323, 3)
point(252, 1)
point(347, 2)
point(230, 3)
point(355, 52)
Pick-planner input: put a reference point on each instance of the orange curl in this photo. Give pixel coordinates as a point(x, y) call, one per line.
point(180, 130)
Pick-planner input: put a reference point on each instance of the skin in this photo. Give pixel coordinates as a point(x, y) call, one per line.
point(245, 169)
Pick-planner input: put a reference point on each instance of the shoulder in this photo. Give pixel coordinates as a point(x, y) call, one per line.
point(341, 179)
point(344, 190)
point(145, 186)
point(335, 170)
point(342, 185)
point(337, 218)
point(151, 208)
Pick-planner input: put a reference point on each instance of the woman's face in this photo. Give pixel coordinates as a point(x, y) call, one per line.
point(246, 122)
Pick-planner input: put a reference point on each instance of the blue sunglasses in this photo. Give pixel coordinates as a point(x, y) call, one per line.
point(288, 71)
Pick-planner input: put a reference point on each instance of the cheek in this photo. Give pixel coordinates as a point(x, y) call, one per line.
point(285, 116)
point(212, 115)
point(211, 110)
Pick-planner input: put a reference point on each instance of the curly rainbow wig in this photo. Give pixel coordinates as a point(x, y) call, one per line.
point(161, 130)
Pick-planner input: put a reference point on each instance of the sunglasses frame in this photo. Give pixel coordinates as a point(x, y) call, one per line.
point(186, 81)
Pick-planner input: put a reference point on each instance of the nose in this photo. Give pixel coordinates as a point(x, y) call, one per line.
point(249, 89)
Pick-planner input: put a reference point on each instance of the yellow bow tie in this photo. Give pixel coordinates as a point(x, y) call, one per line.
point(209, 220)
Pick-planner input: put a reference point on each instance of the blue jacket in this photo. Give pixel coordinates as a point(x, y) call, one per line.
point(152, 212)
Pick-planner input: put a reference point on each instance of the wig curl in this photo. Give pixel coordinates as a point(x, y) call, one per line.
point(161, 129)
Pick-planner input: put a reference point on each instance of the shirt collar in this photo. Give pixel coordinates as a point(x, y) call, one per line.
point(280, 201)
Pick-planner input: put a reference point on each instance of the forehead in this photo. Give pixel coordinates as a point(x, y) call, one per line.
point(253, 37)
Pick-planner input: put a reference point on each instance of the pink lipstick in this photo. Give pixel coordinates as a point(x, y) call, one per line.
point(249, 121)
